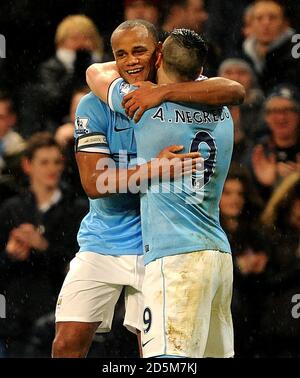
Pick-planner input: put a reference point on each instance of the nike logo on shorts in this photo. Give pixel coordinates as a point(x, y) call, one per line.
point(144, 344)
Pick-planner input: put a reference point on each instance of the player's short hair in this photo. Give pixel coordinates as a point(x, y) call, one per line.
point(130, 24)
point(37, 141)
point(83, 24)
point(184, 54)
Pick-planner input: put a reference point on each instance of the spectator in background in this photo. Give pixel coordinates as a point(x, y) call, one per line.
point(225, 24)
point(242, 145)
point(11, 146)
point(37, 241)
point(240, 211)
point(142, 9)
point(65, 132)
point(247, 28)
point(281, 218)
point(269, 47)
point(278, 154)
point(247, 114)
point(78, 44)
point(190, 14)
point(64, 136)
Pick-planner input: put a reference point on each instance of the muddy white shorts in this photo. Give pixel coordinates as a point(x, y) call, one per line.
point(93, 285)
point(187, 306)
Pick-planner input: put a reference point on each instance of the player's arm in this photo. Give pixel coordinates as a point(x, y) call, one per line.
point(99, 77)
point(98, 176)
point(213, 91)
point(101, 178)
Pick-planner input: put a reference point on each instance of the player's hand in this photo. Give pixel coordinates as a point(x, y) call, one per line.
point(265, 167)
point(147, 96)
point(173, 165)
point(16, 248)
point(172, 152)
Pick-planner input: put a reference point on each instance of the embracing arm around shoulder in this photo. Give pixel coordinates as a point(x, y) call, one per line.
point(99, 77)
point(212, 91)
point(216, 91)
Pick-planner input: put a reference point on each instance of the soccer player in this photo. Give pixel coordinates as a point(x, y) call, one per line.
point(188, 279)
point(110, 236)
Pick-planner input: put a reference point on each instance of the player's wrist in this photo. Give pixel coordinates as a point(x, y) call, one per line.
point(165, 92)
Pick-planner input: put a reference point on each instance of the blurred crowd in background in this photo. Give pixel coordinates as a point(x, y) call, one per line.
point(42, 79)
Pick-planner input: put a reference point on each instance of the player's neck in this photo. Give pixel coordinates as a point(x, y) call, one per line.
point(165, 78)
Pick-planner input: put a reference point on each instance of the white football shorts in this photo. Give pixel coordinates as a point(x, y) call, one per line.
point(187, 306)
point(92, 288)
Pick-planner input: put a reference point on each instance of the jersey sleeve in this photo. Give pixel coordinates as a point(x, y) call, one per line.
point(117, 90)
point(91, 125)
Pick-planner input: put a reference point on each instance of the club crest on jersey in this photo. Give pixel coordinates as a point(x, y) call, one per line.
point(81, 125)
point(124, 88)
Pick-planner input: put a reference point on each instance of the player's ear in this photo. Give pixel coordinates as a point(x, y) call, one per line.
point(158, 52)
point(158, 55)
point(158, 61)
point(159, 47)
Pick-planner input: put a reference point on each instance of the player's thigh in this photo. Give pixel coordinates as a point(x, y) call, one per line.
point(178, 292)
point(220, 338)
point(83, 298)
point(77, 335)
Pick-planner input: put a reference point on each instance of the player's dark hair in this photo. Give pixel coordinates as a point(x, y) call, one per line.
point(130, 24)
point(37, 141)
point(184, 54)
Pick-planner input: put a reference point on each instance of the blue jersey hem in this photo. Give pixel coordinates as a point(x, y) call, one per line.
point(110, 252)
point(149, 259)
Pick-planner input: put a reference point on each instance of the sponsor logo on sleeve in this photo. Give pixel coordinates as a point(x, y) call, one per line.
point(124, 88)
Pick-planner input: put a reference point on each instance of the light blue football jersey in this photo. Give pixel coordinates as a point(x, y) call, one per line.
point(182, 216)
point(113, 224)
